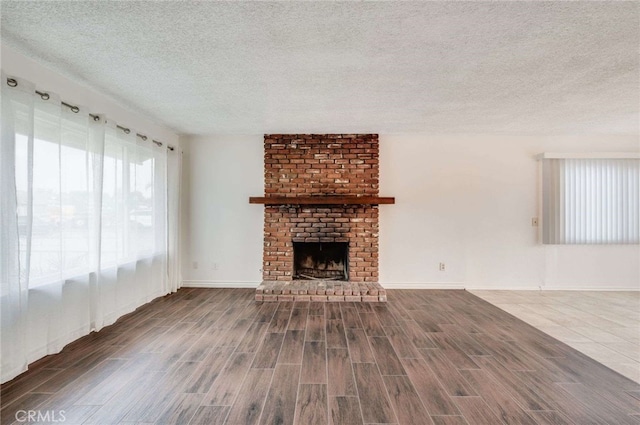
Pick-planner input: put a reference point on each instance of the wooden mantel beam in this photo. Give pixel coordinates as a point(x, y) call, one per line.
point(322, 200)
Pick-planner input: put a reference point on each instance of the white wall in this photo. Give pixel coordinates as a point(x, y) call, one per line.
point(18, 65)
point(222, 232)
point(468, 201)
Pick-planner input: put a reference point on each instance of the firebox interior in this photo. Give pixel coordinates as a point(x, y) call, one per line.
point(321, 260)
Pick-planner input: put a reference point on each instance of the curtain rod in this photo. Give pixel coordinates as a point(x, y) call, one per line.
point(12, 82)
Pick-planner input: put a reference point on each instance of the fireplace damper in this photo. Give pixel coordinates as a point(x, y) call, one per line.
point(321, 260)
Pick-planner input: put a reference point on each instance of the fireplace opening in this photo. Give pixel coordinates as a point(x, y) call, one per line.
point(321, 260)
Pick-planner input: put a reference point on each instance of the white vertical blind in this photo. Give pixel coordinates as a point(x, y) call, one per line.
point(591, 201)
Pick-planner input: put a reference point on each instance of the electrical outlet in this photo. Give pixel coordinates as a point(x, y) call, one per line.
point(195, 265)
point(534, 222)
point(214, 266)
point(441, 267)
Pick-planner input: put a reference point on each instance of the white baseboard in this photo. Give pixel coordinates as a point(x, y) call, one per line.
point(419, 285)
point(534, 287)
point(422, 285)
point(485, 287)
point(219, 284)
point(589, 288)
point(254, 284)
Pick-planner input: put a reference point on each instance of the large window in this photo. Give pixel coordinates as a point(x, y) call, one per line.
point(79, 207)
point(54, 198)
point(591, 200)
point(133, 211)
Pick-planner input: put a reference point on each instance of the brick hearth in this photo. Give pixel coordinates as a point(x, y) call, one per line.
point(313, 290)
point(324, 165)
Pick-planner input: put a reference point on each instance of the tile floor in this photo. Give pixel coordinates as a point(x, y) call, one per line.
point(603, 325)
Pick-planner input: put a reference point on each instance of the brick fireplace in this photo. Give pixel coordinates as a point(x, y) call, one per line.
point(321, 190)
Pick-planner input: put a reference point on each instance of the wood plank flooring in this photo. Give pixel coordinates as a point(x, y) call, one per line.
point(214, 356)
point(605, 325)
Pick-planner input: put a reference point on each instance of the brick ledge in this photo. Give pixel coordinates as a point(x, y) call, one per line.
point(323, 291)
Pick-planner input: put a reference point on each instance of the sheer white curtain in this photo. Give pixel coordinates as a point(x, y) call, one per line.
point(84, 224)
point(174, 189)
point(17, 116)
point(133, 239)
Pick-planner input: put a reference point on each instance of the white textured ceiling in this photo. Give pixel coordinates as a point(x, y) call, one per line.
point(384, 67)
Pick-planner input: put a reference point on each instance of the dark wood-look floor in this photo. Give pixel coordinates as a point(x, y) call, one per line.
point(213, 356)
